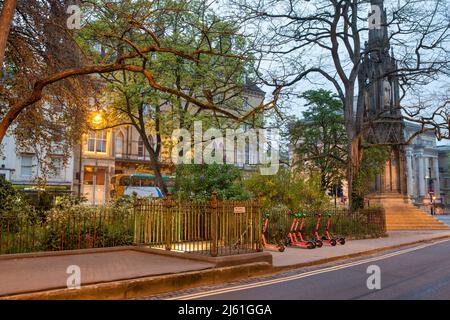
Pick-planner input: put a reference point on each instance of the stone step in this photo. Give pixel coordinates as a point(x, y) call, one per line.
point(422, 223)
point(415, 228)
point(402, 215)
point(415, 220)
point(418, 224)
point(410, 218)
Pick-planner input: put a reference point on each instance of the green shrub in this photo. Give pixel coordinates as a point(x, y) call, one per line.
point(199, 181)
point(290, 189)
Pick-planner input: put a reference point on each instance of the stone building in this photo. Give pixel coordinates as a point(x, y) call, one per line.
point(24, 169)
point(422, 159)
point(121, 150)
point(444, 173)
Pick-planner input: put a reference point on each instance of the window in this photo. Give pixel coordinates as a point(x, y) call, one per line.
point(140, 148)
point(26, 166)
point(56, 168)
point(246, 103)
point(91, 142)
point(119, 145)
point(101, 141)
point(97, 141)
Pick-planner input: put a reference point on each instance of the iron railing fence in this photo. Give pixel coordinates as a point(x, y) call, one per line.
point(80, 228)
point(203, 227)
point(213, 227)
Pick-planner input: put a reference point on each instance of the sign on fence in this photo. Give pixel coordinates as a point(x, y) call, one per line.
point(239, 209)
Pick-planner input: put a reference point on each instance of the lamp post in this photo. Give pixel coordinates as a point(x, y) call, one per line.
point(432, 202)
point(433, 205)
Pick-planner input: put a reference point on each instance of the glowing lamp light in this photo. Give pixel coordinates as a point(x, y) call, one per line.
point(97, 119)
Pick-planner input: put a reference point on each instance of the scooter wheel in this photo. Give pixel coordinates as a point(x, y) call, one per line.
point(281, 248)
point(319, 243)
point(341, 241)
point(333, 242)
point(324, 238)
point(311, 245)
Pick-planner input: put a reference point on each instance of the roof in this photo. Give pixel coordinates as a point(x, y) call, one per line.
point(251, 86)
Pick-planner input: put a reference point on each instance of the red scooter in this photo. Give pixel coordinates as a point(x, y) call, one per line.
point(327, 236)
point(325, 240)
point(266, 245)
point(299, 219)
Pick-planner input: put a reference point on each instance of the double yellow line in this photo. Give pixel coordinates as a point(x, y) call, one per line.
point(301, 275)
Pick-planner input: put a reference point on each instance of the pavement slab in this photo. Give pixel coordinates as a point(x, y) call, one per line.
point(296, 256)
point(46, 273)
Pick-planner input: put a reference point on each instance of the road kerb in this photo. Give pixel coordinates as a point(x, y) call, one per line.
point(278, 269)
point(148, 286)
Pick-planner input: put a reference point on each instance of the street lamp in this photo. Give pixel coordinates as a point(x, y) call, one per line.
point(97, 119)
point(433, 203)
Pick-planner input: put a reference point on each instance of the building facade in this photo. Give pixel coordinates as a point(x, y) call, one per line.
point(422, 162)
point(23, 168)
point(444, 173)
point(121, 150)
point(105, 153)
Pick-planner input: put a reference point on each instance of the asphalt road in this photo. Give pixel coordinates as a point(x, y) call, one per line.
point(420, 272)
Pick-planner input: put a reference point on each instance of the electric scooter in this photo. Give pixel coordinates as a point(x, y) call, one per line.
point(325, 240)
point(293, 233)
point(327, 236)
point(266, 245)
point(318, 241)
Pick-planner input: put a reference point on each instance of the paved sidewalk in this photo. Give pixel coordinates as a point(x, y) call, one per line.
point(444, 219)
point(295, 256)
point(46, 273)
point(43, 273)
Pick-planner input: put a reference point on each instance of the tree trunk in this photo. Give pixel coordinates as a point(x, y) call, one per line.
point(350, 173)
point(6, 17)
point(354, 144)
point(154, 161)
point(354, 148)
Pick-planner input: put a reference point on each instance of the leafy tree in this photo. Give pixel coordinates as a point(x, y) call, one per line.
point(214, 72)
point(372, 163)
point(319, 138)
point(290, 188)
point(201, 180)
point(337, 34)
point(116, 36)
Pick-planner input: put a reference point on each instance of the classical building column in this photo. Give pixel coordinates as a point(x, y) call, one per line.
point(427, 175)
point(410, 172)
point(421, 173)
point(437, 186)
